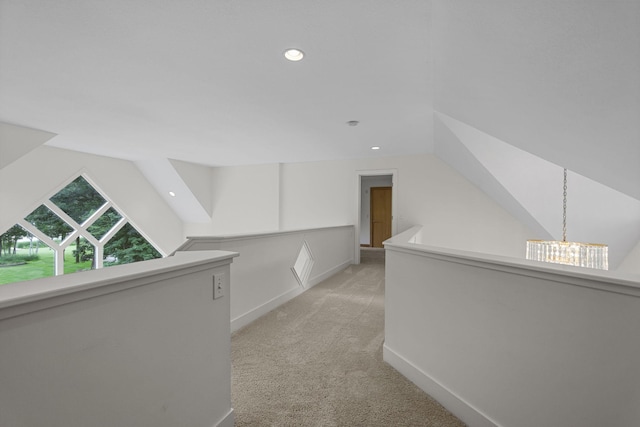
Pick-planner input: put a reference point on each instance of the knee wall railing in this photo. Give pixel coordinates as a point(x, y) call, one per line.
point(509, 342)
point(264, 275)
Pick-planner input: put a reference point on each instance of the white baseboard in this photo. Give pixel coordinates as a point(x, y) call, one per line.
point(324, 276)
point(458, 406)
point(261, 310)
point(227, 421)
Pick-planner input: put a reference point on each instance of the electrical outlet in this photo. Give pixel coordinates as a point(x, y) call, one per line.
point(218, 289)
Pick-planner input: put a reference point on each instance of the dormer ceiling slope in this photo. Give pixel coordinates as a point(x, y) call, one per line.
point(558, 79)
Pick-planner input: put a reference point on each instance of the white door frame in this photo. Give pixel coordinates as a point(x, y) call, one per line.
point(358, 209)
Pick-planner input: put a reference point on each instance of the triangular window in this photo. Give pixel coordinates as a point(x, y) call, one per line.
point(78, 228)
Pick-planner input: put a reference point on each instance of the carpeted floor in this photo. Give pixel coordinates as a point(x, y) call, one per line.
point(371, 255)
point(317, 361)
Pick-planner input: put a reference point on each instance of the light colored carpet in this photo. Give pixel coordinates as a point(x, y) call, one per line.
point(371, 255)
point(317, 361)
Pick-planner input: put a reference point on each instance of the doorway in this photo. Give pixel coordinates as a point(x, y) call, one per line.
point(380, 216)
point(366, 181)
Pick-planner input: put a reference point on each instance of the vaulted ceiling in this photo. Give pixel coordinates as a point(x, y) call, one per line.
point(205, 81)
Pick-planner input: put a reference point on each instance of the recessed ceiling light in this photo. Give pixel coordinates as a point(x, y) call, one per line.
point(353, 123)
point(293, 54)
point(375, 147)
point(172, 194)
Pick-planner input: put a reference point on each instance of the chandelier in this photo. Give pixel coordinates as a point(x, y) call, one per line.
point(591, 255)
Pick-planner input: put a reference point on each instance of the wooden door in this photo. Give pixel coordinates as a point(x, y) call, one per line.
point(380, 215)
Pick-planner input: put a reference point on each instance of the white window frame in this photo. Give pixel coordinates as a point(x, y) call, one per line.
point(80, 230)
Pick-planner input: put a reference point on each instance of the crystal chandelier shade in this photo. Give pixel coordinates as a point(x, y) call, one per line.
point(590, 255)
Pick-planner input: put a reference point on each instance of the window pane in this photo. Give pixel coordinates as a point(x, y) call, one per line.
point(49, 223)
point(128, 246)
point(79, 256)
point(23, 257)
point(78, 200)
point(104, 223)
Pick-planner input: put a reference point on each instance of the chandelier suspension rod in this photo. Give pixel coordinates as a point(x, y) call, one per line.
point(591, 255)
point(564, 208)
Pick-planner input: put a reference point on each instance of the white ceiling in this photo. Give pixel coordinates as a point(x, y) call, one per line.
point(558, 79)
point(204, 81)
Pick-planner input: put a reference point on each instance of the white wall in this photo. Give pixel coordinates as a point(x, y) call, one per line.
point(503, 342)
point(262, 278)
point(16, 141)
point(45, 170)
point(631, 264)
point(143, 345)
point(169, 177)
point(453, 211)
point(249, 199)
point(317, 194)
point(365, 202)
point(199, 180)
point(246, 199)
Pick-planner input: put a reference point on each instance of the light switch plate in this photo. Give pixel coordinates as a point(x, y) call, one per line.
point(218, 289)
